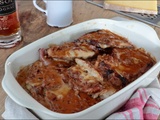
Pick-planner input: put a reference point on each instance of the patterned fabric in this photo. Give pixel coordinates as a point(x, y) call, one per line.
point(144, 104)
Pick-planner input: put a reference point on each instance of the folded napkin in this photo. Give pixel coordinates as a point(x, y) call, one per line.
point(143, 104)
point(15, 111)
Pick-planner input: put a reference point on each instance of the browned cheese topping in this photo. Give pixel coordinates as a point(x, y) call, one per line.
point(73, 76)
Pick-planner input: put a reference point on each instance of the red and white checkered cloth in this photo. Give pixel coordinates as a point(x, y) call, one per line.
point(144, 104)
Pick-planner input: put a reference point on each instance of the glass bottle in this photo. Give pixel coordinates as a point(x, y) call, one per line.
point(10, 32)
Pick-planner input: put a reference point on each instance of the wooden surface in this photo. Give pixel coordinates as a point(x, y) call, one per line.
point(33, 25)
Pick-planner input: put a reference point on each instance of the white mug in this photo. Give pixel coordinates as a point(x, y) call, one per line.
point(58, 12)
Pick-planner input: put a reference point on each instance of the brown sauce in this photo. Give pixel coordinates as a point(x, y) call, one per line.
point(70, 103)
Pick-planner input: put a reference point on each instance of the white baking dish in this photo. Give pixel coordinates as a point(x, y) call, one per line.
point(138, 33)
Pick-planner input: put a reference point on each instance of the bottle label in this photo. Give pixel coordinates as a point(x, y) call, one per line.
point(7, 7)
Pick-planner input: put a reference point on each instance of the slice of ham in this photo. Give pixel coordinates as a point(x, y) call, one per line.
point(70, 51)
point(105, 39)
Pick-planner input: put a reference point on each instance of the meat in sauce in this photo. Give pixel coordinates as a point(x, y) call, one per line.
point(73, 76)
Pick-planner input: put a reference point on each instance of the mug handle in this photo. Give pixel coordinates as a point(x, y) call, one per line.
point(39, 8)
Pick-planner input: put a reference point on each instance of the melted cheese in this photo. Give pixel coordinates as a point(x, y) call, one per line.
point(88, 73)
point(62, 91)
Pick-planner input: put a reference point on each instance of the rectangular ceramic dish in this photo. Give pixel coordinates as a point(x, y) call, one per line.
point(141, 35)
